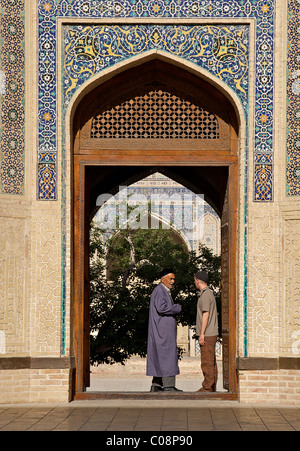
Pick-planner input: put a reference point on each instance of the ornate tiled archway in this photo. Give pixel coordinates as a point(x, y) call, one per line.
point(106, 157)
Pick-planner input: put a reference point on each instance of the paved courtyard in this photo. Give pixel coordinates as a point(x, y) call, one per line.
point(170, 415)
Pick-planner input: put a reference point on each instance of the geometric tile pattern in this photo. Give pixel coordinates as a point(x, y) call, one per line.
point(293, 100)
point(261, 10)
point(12, 97)
point(156, 114)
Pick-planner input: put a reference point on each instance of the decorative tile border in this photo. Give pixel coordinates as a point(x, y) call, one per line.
point(12, 97)
point(261, 10)
point(293, 100)
point(12, 83)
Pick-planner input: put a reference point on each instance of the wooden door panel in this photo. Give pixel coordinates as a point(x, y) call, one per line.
point(225, 359)
point(225, 289)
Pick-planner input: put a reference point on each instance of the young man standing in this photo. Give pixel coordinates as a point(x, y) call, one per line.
point(207, 331)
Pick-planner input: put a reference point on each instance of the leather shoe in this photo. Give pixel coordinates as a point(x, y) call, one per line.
point(155, 388)
point(172, 389)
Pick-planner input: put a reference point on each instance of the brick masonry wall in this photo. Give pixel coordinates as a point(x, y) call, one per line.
point(272, 387)
point(14, 386)
point(34, 386)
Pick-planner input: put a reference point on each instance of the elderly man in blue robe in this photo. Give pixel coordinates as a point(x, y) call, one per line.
point(162, 356)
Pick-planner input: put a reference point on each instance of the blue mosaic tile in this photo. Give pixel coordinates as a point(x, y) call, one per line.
point(12, 97)
point(293, 101)
point(223, 51)
point(262, 11)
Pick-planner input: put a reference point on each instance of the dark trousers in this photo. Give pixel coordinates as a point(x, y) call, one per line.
point(164, 381)
point(209, 364)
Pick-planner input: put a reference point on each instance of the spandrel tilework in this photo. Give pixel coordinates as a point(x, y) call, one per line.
point(223, 51)
point(263, 13)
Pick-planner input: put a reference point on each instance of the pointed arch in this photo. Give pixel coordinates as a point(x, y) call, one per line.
point(102, 166)
point(143, 58)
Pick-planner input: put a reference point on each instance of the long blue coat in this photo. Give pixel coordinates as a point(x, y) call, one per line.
point(162, 358)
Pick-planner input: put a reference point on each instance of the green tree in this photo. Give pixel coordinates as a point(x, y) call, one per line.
point(119, 303)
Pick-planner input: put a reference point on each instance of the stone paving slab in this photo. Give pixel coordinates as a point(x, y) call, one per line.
point(181, 416)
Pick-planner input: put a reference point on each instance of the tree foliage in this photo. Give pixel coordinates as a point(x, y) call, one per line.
point(120, 293)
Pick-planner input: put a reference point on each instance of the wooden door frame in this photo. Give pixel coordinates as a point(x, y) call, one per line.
point(80, 263)
point(157, 153)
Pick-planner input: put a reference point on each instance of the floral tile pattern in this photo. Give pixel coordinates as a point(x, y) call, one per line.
point(12, 87)
point(137, 39)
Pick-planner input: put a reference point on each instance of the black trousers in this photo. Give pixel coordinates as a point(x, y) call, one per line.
point(164, 381)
